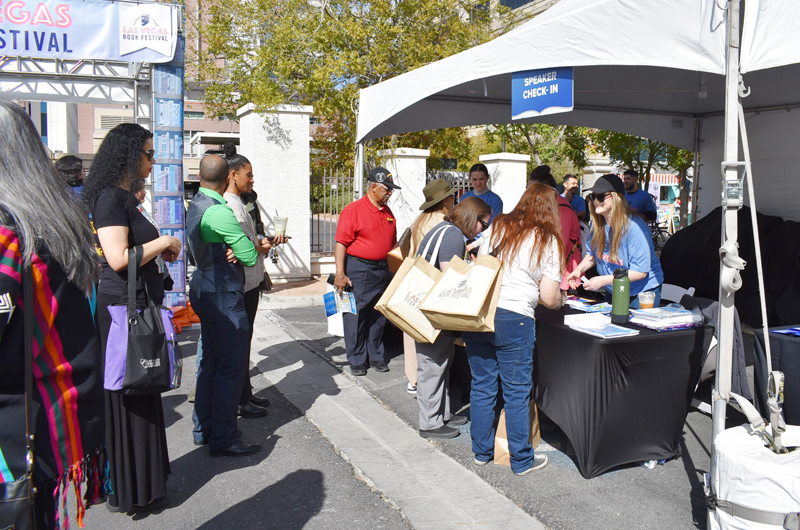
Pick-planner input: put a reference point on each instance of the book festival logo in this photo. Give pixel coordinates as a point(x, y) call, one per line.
point(145, 26)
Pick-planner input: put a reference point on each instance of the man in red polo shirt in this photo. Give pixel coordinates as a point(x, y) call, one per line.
point(365, 234)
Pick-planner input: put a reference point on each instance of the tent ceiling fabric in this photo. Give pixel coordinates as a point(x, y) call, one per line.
point(638, 69)
point(688, 38)
point(769, 34)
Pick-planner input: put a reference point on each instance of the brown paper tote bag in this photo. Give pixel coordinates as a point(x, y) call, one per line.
point(465, 297)
point(400, 252)
point(400, 302)
point(501, 455)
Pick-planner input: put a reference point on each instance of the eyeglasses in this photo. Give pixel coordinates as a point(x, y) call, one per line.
point(599, 197)
point(388, 189)
point(151, 154)
point(483, 223)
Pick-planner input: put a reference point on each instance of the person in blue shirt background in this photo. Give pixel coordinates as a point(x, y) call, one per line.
point(618, 239)
point(572, 194)
point(640, 201)
point(479, 176)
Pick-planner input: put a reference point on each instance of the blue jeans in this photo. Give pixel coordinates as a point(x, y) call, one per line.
point(508, 354)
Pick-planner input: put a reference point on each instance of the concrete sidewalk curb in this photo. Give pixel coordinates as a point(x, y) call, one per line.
point(431, 490)
point(289, 302)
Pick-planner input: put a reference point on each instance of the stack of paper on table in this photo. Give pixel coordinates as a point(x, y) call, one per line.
point(587, 306)
point(598, 325)
point(661, 318)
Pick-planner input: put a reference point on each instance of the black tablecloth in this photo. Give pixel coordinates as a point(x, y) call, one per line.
point(617, 400)
point(786, 359)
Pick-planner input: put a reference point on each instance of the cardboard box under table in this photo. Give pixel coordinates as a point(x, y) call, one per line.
point(620, 400)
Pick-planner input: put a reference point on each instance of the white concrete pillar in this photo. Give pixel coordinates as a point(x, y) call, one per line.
point(508, 176)
point(62, 127)
point(408, 169)
point(277, 144)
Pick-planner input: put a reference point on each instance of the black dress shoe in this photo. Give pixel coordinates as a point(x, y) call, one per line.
point(456, 420)
point(237, 434)
point(445, 431)
point(260, 401)
point(380, 366)
point(358, 369)
point(237, 449)
point(248, 410)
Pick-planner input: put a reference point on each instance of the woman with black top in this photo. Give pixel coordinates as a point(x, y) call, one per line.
point(135, 434)
point(465, 221)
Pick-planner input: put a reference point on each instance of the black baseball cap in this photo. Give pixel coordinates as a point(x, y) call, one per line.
point(606, 183)
point(381, 175)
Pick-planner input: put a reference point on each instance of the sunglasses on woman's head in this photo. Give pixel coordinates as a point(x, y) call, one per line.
point(483, 223)
point(600, 197)
point(151, 154)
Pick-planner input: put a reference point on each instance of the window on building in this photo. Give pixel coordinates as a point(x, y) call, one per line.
point(313, 120)
point(193, 115)
point(187, 148)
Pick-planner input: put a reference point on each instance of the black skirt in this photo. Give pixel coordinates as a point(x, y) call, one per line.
point(136, 437)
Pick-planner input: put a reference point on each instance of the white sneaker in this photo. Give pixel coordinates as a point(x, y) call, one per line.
point(539, 461)
point(481, 462)
point(411, 389)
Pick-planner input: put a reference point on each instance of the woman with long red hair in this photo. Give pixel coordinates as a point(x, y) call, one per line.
point(528, 243)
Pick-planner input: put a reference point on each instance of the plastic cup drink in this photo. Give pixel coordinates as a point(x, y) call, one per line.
point(280, 225)
point(647, 299)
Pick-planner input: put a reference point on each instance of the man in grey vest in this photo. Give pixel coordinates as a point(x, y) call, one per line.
point(217, 296)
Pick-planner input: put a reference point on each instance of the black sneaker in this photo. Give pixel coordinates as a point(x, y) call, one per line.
point(456, 420)
point(442, 432)
point(358, 369)
point(379, 366)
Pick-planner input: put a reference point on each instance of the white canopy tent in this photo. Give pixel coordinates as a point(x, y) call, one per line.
point(667, 70)
point(654, 68)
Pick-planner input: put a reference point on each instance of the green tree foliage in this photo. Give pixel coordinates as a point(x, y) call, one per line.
point(642, 154)
point(321, 52)
point(562, 147)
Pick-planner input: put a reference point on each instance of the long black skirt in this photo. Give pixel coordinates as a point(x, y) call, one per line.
point(136, 437)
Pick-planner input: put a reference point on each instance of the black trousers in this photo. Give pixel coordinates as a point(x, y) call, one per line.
point(363, 332)
point(251, 298)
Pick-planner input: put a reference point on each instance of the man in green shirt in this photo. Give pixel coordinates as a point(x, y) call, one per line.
point(217, 295)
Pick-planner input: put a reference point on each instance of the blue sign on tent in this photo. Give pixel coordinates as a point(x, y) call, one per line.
point(541, 92)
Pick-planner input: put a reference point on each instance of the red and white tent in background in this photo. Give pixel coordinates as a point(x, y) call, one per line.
point(663, 178)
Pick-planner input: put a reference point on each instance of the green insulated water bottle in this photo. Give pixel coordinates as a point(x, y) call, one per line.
point(620, 297)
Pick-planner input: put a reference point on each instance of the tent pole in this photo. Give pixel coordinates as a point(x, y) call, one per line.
point(698, 134)
point(358, 174)
point(731, 202)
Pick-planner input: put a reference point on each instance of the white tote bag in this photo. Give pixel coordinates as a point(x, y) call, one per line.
point(400, 302)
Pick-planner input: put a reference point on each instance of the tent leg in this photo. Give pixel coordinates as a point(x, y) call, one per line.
point(729, 280)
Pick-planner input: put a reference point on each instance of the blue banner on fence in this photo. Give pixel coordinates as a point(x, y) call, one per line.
point(541, 92)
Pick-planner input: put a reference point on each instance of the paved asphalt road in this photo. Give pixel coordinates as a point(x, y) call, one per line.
point(630, 497)
point(296, 481)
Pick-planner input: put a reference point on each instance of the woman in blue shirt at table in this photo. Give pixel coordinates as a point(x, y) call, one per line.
point(625, 242)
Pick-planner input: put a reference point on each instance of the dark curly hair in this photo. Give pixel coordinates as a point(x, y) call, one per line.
point(118, 159)
point(69, 168)
point(235, 161)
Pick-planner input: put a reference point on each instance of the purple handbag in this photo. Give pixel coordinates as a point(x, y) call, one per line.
point(141, 352)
